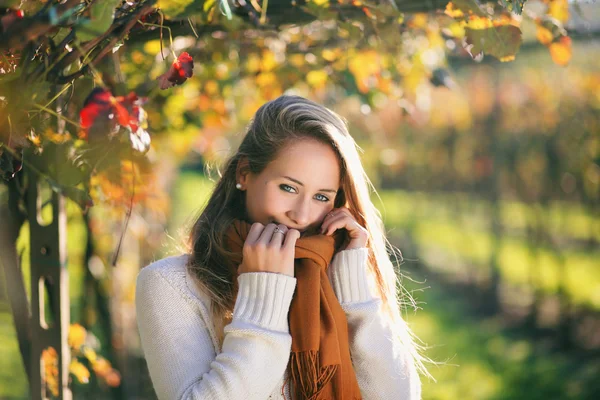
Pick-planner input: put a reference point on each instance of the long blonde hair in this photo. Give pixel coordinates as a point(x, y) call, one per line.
point(277, 123)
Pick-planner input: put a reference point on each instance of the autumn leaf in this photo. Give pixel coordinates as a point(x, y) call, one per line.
point(80, 371)
point(100, 115)
point(561, 51)
point(559, 9)
point(76, 337)
point(544, 35)
point(181, 69)
point(49, 361)
point(515, 6)
point(103, 114)
point(138, 122)
point(502, 42)
point(467, 7)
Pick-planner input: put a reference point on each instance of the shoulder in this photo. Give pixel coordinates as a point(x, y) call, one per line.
point(171, 272)
point(170, 269)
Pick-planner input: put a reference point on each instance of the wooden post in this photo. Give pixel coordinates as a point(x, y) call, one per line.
point(50, 323)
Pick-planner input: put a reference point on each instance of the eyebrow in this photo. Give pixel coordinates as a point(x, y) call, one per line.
point(302, 184)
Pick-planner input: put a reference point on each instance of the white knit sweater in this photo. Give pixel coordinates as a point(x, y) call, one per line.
point(183, 355)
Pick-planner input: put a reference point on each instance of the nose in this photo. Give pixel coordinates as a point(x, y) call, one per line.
point(300, 213)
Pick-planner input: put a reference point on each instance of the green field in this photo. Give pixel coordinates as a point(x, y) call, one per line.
point(453, 237)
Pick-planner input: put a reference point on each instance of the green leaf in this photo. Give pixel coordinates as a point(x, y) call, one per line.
point(9, 3)
point(81, 197)
point(181, 8)
point(469, 5)
point(515, 6)
point(502, 42)
point(102, 14)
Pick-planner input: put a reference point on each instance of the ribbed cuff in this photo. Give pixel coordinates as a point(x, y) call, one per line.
point(348, 275)
point(264, 299)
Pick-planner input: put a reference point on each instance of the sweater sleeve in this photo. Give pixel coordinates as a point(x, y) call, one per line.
point(179, 351)
point(384, 367)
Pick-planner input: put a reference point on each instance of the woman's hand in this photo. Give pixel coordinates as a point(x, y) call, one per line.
point(269, 249)
point(339, 218)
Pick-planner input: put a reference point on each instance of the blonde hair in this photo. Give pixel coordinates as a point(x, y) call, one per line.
point(277, 123)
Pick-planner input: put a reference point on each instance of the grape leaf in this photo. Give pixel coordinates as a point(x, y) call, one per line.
point(515, 6)
point(469, 5)
point(502, 42)
point(180, 8)
point(101, 18)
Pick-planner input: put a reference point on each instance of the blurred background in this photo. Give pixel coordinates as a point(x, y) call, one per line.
point(487, 176)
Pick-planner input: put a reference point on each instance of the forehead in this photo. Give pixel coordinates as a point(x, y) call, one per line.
point(313, 163)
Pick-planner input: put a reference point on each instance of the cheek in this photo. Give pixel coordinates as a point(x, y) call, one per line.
point(275, 200)
point(263, 204)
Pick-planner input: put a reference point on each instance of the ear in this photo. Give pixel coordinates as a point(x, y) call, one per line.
point(242, 171)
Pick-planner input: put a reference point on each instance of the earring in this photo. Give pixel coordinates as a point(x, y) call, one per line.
point(238, 186)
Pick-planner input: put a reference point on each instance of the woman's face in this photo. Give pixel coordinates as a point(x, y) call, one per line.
point(297, 189)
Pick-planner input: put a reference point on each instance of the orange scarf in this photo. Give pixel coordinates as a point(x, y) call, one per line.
point(320, 365)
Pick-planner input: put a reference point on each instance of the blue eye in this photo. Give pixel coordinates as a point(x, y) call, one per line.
point(287, 188)
point(291, 189)
point(324, 198)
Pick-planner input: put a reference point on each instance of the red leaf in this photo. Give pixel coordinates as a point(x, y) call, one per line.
point(96, 108)
point(180, 70)
point(101, 114)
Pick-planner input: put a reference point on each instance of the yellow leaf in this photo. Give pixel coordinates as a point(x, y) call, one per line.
point(452, 11)
point(507, 58)
point(77, 334)
point(253, 63)
point(559, 9)
point(456, 30)
point(297, 60)
point(418, 20)
point(79, 371)
point(208, 4)
point(268, 61)
point(152, 47)
point(317, 78)
point(476, 22)
point(90, 354)
point(544, 35)
point(266, 79)
point(330, 55)
point(211, 87)
point(560, 51)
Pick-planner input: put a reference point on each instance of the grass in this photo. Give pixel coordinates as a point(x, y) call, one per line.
point(480, 359)
point(467, 244)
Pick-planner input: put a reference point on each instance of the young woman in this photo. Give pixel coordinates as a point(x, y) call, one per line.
point(287, 290)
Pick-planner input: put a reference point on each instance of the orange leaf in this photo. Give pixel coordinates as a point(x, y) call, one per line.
point(561, 51)
point(544, 35)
